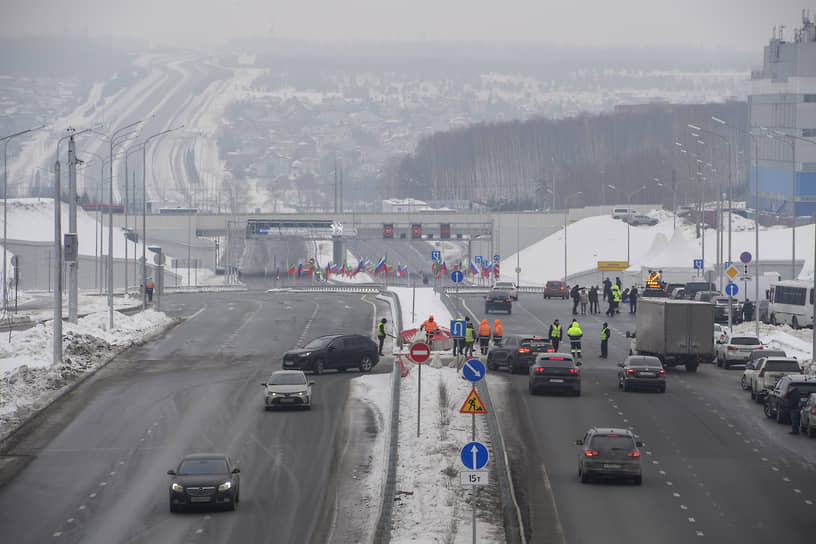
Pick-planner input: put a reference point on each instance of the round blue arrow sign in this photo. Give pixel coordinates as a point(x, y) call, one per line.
point(731, 289)
point(474, 370)
point(457, 276)
point(474, 455)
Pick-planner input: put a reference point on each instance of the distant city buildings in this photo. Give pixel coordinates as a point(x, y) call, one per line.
point(783, 121)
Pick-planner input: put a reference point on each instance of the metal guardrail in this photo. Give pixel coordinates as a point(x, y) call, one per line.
point(382, 531)
point(332, 289)
point(478, 289)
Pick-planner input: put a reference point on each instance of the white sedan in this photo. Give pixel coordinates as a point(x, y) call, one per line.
point(287, 388)
point(736, 349)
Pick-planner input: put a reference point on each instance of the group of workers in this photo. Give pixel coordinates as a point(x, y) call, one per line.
point(575, 334)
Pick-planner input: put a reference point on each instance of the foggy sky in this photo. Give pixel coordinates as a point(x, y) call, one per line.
point(743, 25)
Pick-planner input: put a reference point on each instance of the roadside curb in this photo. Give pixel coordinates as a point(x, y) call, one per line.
point(9, 439)
point(382, 530)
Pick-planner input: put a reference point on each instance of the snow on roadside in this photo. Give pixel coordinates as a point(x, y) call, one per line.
point(795, 342)
point(28, 380)
point(425, 302)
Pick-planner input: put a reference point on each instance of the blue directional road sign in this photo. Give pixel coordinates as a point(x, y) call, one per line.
point(457, 328)
point(263, 230)
point(731, 289)
point(474, 455)
point(478, 259)
point(698, 264)
point(457, 276)
point(436, 255)
point(745, 257)
point(496, 257)
point(473, 369)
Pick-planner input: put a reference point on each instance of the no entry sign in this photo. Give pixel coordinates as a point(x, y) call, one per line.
point(420, 352)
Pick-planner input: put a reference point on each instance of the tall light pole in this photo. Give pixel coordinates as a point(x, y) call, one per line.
point(144, 212)
point(566, 211)
point(6, 140)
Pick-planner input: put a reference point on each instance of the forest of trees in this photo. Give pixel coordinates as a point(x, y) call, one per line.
point(514, 165)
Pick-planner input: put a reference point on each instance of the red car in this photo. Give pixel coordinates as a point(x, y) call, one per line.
point(556, 289)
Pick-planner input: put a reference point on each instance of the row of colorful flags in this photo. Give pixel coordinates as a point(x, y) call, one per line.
point(382, 269)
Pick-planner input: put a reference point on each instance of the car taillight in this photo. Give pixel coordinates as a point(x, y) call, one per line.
point(662, 371)
point(813, 411)
point(590, 453)
point(732, 348)
point(524, 350)
point(573, 371)
point(550, 350)
point(761, 373)
point(630, 371)
point(761, 347)
point(507, 300)
point(633, 454)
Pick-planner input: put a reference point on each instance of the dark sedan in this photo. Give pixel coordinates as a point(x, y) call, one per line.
point(517, 352)
point(498, 300)
point(555, 372)
point(204, 479)
point(339, 351)
point(641, 372)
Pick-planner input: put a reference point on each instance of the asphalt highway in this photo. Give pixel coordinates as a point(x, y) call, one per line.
point(94, 469)
point(715, 469)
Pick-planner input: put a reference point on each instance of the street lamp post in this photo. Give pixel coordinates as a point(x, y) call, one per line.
point(144, 215)
point(6, 140)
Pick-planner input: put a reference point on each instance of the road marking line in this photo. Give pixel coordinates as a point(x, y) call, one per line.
point(797, 490)
point(669, 484)
point(692, 520)
point(775, 469)
point(676, 494)
point(58, 533)
point(786, 479)
point(92, 495)
point(683, 507)
point(808, 501)
point(655, 462)
point(661, 472)
point(700, 533)
point(103, 483)
point(764, 459)
point(199, 531)
point(69, 520)
point(81, 507)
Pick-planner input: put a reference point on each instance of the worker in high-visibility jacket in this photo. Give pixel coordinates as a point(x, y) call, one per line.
point(484, 336)
point(381, 333)
point(605, 333)
point(431, 328)
point(470, 339)
point(498, 332)
point(575, 334)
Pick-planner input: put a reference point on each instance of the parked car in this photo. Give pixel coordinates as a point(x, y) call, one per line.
point(498, 300)
point(692, 287)
point(609, 453)
point(204, 479)
point(637, 220)
point(775, 405)
point(623, 213)
point(339, 351)
point(752, 364)
point(706, 296)
point(507, 286)
point(556, 289)
point(768, 372)
point(719, 332)
point(678, 292)
point(287, 388)
point(555, 372)
point(518, 352)
point(721, 309)
point(807, 417)
point(736, 349)
point(641, 372)
point(670, 287)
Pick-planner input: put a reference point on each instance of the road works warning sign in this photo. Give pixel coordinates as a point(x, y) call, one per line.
point(473, 404)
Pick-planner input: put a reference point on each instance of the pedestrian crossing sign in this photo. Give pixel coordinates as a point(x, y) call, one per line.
point(473, 404)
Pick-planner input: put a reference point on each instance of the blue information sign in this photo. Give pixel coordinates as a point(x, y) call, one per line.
point(457, 329)
point(496, 257)
point(698, 264)
point(436, 255)
point(478, 259)
point(473, 369)
point(731, 289)
point(474, 455)
point(457, 276)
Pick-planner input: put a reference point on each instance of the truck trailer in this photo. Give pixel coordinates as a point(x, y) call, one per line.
point(678, 332)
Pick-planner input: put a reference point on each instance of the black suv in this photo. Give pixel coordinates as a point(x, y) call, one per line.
point(518, 351)
point(555, 372)
point(776, 403)
point(340, 351)
point(498, 300)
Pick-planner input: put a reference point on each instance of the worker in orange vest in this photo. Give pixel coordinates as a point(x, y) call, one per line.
point(149, 285)
point(431, 328)
point(484, 336)
point(498, 332)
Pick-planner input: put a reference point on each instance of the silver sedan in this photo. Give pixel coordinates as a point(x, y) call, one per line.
point(287, 388)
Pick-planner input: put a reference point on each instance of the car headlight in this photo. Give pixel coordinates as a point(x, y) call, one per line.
point(271, 394)
point(304, 355)
point(225, 486)
point(176, 487)
point(301, 393)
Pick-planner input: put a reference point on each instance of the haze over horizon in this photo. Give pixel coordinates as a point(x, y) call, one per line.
point(738, 25)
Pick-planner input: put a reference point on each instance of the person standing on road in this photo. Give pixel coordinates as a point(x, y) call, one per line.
point(605, 333)
point(381, 334)
point(575, 294)
point(555, 334)
point(484, 336)
point(633, 298)
point(583, 297)
point(607, 289)
point(431, 328)
point(618, 282)
point(747, 310)
point(149, 286)
point(498, 332)
point(616, 298)
point(575, 334)
point(470, 338)
point(792, 398)
point(593, 299)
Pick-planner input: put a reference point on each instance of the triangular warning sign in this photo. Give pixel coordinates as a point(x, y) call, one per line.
point(473, 404)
